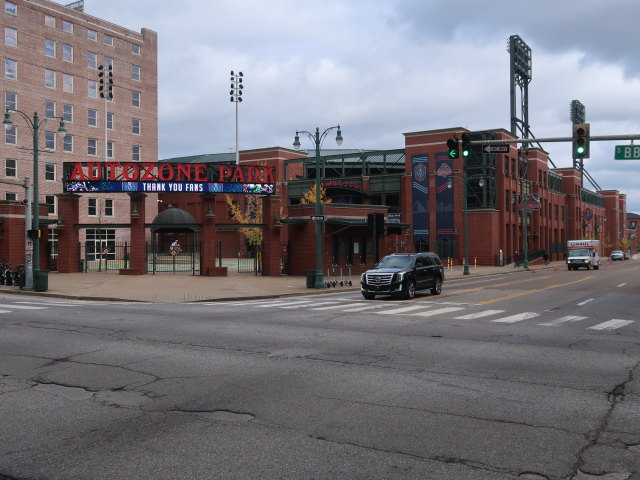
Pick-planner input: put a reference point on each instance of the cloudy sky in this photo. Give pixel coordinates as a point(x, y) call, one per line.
point(381, 68)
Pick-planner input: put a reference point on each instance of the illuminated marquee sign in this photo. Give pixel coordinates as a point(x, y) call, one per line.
point(145, 177)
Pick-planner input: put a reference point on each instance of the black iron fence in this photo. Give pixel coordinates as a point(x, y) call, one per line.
point(108, 257)
point(185, 260)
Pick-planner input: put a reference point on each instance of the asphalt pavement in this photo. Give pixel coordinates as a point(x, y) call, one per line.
point(174, 288)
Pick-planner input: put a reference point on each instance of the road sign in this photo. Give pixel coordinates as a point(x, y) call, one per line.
point(29, 246)
point(530, 203)
point(495, 148)
point(627, 152)
point(317, 218)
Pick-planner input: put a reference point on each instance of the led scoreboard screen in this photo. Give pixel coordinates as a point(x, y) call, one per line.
point(107, 177)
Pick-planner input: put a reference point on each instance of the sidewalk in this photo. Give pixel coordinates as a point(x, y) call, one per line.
point(168, 288)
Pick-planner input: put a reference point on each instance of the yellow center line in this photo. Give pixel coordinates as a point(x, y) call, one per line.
point(527, 292)
point(475, 289)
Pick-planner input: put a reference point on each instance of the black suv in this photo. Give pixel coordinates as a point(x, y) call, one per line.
point(401, 274)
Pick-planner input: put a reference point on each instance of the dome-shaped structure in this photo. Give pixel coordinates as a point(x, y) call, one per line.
point(174, 219)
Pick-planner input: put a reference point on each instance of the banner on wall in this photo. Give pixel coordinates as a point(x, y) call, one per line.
point(444, 196)
point(420, 196)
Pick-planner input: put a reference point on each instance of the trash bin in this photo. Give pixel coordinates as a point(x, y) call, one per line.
point(41, 280)
point(311, 278)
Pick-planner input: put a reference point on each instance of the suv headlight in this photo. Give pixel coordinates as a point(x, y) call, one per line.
point(363, 278)
point(398, 277)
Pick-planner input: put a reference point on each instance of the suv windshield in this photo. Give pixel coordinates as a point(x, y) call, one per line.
point(395, 262)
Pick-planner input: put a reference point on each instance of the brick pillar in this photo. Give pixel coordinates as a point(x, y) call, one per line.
point(137, 252)
point(271, 249)
point(209, 239)
point(68, 235)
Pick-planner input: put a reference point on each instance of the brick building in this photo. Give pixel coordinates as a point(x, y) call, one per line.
point(51, 55)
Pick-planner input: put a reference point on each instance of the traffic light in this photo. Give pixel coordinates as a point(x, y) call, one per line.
point(33, 234)
point(452, 145)
point(375, 224)
point(466, 144)
point(581, 140)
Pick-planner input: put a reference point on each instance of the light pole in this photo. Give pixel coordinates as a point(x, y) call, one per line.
point(236, 97)
point(465, 181)
point(318, 138)
point(35, 124)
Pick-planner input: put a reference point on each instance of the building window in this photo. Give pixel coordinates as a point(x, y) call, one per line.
point(68, 144)
point(50, 172)
point(67, 53)
point(110, 121)
point(135, 72)
point(92, 118)
point(50, 48)
point(50, 200)
point(67, 26)
point(108, 207)
point(92, 35)
point(10, 135)
point(135, 99)
point(67, 113)
point(50, 21)
point(92, 146)
point(135, 153)
point(10, 100)
point(67, 83)
point(49, 109)
point(92, 60)
point(13, 197)
point(11, 168)
point(49, 79)
point(10, 68)
point(50, 140)
point(10, 7)
point(109, 149)
point(108, 40)
point(135, 49)
point(10, 36)
point(92, 207)
point(108, 62)
point(92, 89)
point(135, 126)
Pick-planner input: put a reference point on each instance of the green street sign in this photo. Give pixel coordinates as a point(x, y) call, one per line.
point(627, 152)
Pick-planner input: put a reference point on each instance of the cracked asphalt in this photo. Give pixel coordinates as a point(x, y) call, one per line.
point(209, 391)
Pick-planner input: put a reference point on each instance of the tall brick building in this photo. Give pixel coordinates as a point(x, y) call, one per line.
point(51, 55)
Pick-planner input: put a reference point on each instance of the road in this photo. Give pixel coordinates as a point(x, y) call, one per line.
point(522, 376)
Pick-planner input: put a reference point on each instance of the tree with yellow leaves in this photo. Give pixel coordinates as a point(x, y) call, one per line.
point(310, 196)
point(252, 213)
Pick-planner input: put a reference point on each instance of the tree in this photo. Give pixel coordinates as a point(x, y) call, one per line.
point(310, 196)
point(252, 213)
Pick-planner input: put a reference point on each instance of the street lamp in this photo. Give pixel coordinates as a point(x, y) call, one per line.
point(465, 181)
point(236, 97)
point(318, 138)
point(35, 124)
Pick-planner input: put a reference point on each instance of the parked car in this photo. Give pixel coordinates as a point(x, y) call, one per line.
point(617, 255)
point(402, 274)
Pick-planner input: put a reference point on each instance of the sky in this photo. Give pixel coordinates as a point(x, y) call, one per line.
point(381, 68)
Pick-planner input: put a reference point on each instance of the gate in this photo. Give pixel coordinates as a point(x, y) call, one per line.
point(184, 260)
point(105, 256)
point(251, 264)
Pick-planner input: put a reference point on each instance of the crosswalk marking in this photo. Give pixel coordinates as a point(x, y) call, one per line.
point(362, 309)
point(612, 324)
point(517, 318)
point(279, 303)
point(5, 311)
point(484, 313)
point(402, 310)
point(586, 301)
point(21, 307)
point(314, 304)
point(438, 311)
point(561, 320)
point(337, 306)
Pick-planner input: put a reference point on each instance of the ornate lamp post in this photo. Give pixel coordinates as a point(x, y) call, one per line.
point(318, 138)
point(34, 124)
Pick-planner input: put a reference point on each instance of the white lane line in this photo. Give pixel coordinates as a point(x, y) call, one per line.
point(612, 324)
point(401, 310)
point(473, 316)
point(21, 307)
point(362, 309)
point(561, 320)
point(438, 311)
point(586, 301)
point(5, 311)
point(278, 303)
point(306, 304)
point(621, 285)
point(339, 306)
point(517, 318)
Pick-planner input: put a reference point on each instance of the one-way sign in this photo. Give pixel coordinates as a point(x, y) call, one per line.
point(487, 148)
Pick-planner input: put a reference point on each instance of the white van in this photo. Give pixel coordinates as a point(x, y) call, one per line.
point(583, 254)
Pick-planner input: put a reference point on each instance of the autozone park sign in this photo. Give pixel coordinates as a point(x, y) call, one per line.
point(147, 177)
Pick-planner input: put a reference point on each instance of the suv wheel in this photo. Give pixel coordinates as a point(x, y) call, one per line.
point(409, 289)
point(437, 287)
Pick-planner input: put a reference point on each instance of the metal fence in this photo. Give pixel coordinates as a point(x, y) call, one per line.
point(107, 257)
point(184, 261)
point(250, 265)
